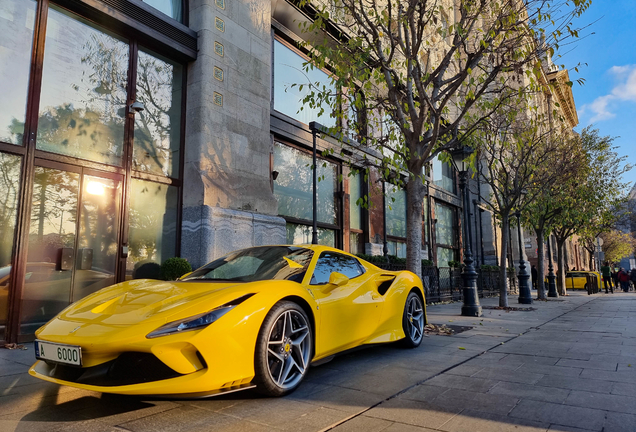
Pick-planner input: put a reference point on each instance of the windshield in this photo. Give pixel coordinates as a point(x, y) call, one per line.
point(256, 264)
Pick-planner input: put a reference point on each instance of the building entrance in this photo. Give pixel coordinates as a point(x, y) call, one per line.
point(73, 240)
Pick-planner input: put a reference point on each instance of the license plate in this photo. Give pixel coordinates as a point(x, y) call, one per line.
point(59, 353)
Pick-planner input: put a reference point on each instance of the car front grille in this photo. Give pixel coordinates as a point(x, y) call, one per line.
point(129, 368)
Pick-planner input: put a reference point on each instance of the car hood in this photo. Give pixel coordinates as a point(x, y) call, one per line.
point(134, 301)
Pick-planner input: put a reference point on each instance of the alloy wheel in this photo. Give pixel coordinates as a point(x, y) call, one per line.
point(289, 349)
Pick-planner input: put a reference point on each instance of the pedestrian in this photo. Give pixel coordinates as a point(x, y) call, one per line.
point(606, 271)
point(535, 276)
point(615, 276)
point(623, 278)
point(632, 277)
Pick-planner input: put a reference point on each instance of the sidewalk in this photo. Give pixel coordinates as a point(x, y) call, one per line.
point(569, 365)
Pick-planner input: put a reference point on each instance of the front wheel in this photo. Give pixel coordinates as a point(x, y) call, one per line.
point(283, 349)
point(413, 321)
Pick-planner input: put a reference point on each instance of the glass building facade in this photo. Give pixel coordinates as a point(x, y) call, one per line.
point(93, 186)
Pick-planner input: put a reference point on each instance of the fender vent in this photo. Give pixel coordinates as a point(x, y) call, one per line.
point(384, 286)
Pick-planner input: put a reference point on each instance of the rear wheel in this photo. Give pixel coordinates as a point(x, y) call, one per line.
point(413, 321)
point(283, 349)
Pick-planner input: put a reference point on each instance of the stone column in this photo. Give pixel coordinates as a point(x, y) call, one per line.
point(227, 200)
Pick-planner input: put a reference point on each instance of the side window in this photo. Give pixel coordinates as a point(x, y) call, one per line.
point(330, 262)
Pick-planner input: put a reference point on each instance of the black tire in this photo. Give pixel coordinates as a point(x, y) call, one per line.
point(587, 288)
point(277, 351)
point(412, 324)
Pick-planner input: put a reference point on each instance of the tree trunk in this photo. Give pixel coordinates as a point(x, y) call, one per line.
point(592, 265)
point(561, 268)
point(503, 263)
point(540, 265)
point(414, 196)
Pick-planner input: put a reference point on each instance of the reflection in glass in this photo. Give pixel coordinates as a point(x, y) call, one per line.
point(443, 175)
point(445, 226)
point(157, 127)
point(82, 105)
point(293, 186)
point(395, 211)
point(9, 185)
point(444, 255)
point(355, 243)
point(288, 70)
point(17, 18)
point(301, 234)
point(329, 262)
point(152, 228)
point(397, 248)
point(51, 255)
point(96, 256)
point(355, 193)
point(172, 8)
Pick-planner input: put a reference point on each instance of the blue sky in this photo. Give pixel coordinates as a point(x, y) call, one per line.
point(608, 98)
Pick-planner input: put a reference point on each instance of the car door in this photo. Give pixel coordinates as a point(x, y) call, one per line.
point(349, 313)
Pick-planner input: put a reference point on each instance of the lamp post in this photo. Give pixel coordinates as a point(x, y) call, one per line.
point(314, 229)
point(385, 247)
point(471, 306)
point(552, 289)
point(525, 295)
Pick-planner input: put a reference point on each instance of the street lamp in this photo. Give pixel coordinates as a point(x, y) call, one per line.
point(552, 289)
point(525, 295)
point(471, 305)
point(315, 128)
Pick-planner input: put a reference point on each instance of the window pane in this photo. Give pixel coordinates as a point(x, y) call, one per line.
point(445, 226)
point(333, 262)
point(152, 228)
point(17, 18)
point(355, 243)
point(172, 8)
point(425, 219)
point(355, 193)
point(288, 70)
point(395, 211)
point(301, 234)
point(83, 98)
point(443, 175)
point(293, 186)
point(444, 255)
point(157, 127)
point(98, 235)
point(9, 185)
point(51, 255)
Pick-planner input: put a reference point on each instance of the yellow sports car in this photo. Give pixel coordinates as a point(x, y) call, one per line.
point(257, 317)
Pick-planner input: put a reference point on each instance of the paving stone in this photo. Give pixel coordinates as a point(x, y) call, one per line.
point(617, 376)
point(525, 391)
point(462, 399)
point(401, 427)
point(549, 370)
point(589, 364)
point(424, 393)
point(467, 369)
point(463, 383)
point(400, 379)
point(475, 421)
point(618, 403)
point(342, 399)
point(619, 422)
point(413, 412)
point(364, 423)
point(528, 359)
point(584, 418)
point(575, 383)
point(508, 375)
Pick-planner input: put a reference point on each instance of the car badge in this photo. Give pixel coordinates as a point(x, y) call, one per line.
point(74, 330)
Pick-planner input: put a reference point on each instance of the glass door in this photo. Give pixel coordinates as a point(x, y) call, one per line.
point(73, 240)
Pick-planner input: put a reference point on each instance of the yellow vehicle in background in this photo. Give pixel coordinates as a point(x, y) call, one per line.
point(578, 280)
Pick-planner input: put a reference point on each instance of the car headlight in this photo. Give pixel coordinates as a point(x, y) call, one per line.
point(198, 321)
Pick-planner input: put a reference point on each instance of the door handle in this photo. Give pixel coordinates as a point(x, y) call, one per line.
point(375, 296)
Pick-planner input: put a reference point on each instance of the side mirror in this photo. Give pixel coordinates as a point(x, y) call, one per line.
point(335, 280)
